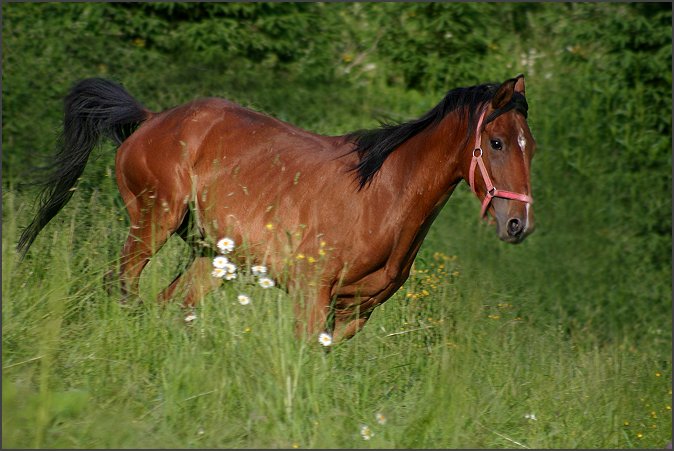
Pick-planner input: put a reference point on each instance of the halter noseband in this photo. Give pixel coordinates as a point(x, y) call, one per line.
point(492, 191)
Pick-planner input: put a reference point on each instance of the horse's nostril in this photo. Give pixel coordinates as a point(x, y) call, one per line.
point(515, 227)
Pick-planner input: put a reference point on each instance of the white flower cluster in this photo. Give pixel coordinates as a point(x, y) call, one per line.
point(261, 273)
point(366, 432)
point(224, 269)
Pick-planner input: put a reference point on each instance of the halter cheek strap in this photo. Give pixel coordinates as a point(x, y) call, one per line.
point(492, 191)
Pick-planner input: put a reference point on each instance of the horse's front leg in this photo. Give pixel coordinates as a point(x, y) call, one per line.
point(347, 327)
point(312, 310)
point(194, 284)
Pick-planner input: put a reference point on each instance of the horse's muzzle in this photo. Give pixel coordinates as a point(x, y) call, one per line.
point(514, 230)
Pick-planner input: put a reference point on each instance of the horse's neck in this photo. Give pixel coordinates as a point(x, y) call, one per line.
point(428, 167)
point(413, 185)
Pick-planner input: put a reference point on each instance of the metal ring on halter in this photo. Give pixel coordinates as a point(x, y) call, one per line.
point(477, 155)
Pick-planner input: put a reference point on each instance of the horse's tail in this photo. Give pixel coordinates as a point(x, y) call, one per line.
point(94, 108)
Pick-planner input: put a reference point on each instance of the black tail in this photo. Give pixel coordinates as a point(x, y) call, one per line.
point(94, 108)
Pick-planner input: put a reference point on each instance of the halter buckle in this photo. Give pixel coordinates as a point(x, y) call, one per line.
point(477, 153)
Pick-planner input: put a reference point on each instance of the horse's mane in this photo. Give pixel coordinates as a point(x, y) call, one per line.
point(375, 145)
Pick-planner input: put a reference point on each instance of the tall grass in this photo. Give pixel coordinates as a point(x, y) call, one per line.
point(450, 361)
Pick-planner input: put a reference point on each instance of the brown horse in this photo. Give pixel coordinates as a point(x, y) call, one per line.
point(337, 219)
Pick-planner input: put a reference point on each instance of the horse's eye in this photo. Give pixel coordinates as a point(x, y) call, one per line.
point(496, 144)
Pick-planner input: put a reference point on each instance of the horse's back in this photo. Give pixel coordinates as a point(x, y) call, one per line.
point(204, 128)
point(197, 133)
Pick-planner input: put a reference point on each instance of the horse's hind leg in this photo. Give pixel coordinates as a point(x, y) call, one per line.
point(152, 223)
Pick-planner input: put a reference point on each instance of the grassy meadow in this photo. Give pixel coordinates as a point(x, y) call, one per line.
point(457, 358)
point(563, 341)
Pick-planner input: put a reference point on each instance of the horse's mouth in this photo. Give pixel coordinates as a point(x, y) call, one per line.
point(513, 239)
point(514, 232)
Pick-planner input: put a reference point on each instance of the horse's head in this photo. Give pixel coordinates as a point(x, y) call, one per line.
point(500, 160)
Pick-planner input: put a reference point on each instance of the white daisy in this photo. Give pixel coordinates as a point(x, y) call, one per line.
point(325, 339)
point(243, 299)
point(230, 276)
point(219, 273)
point(259, 270)
point(530, 416)
point(191, 317)
point(381, 419)
point(220, 261)
point(366, 432)
point(229, 267)
point(265, 282)
point(226, 245)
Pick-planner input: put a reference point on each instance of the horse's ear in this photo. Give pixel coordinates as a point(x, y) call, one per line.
point(519, 84)
point(506, 90)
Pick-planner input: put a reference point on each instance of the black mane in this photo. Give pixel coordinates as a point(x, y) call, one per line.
point(374, 146)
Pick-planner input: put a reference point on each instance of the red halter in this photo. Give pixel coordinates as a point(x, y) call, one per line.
point(492, 192)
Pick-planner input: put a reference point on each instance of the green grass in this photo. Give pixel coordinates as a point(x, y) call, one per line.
point(457, 358)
